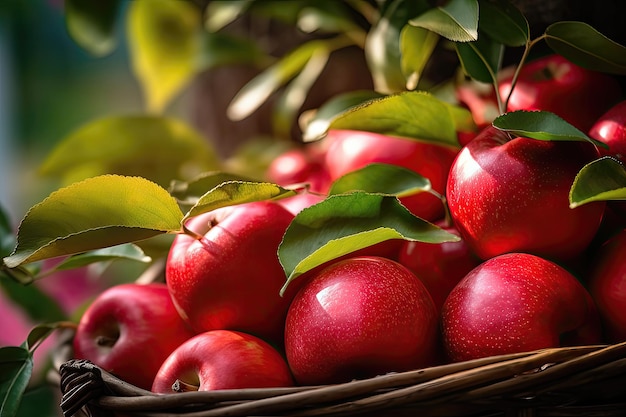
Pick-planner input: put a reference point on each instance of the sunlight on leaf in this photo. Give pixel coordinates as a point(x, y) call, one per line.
point(127, 251)
point(600, 180)
point(344, 223)
point(91, 24)
point(95, 213)
point(417, 45)
point(164, 43)
point(381, 178)
point(456, 21)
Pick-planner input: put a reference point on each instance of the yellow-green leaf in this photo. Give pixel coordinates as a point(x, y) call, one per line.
point(164, 41)
point(95, 213)
point(600, 180)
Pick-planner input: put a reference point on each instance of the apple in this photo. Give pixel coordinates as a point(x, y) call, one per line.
point(517, 302)
point(357, 318)
point(552, 83)
point(512, 195)
point(303, 199)
point(129, 330)
point(229, 275)
point(610, 128)
point(300, 165)
point(439, 266)
point(349, 150)
point(222, 359)
point(607, 284)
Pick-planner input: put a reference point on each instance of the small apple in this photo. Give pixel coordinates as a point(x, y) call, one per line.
point(349, 150)
point(610, 128)
point(129, 330)
point(222, 359)
point(607, 284)
point(512, 195)
point(517, 302)
point(300, 165)
point(357, 318)
point(303, 199)
point(439, 266)
point(229, 275)
point(552, 83)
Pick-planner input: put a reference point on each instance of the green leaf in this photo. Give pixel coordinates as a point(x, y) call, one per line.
point(456, 21)
point(127, 251)
point(585, 46)
point(481, 60)
point(16, 367)
point(164, 43)
point(503, 22)
point(317, 125)
point(220, 49)
point(414, 114)
point(416, 46)
point(95, 213)
point(221, 13)
point(601, 180)
point(542, 125)
point(190, 192)
point(344, 223)
point(296, 92)
point(91, 24)
point(381, 178)
point(229, 193)
point(157, 148)
point(382, 44)
point(41, 332)
point(7, 237)
point(39, 306)
point(252, 95)
point(329, 16)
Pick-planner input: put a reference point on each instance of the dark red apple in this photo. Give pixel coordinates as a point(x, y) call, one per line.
point(512, 195)
point(129, 330)
point(439, 266)
point(358, 318)
point(610, 128)
point(517, 302)
point(222, 359)
point(349, 150)
point(607, 284)
point(231, 277)
point(554, 84)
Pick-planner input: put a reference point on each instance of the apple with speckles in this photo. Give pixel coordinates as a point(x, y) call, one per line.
point(512, 195)
point(357, 318)
point(514, 303)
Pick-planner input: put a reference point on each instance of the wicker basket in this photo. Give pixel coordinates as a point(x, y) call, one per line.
point(572, 381)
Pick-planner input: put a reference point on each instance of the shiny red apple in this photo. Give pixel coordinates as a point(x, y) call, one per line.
point(300, 165)
point(512, 195)
point(358, 318)
point(222, 359)
point(349, 150)
point(517, 302)
point(129, 330)
point(610, 128)
point(607, 284)
point(554, 84)
point(229, 276)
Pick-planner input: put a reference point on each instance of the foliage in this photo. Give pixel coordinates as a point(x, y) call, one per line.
point(129, 178)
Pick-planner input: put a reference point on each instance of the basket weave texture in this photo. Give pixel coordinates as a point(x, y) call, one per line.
point(569, 381)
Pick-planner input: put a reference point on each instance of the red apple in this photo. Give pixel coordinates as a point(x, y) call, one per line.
point(512, 195)
point(305, 198)
point(517, 302)
point(607, 284)
point(552, 83)
point(358, 318)
point(299, 166)
point(222, 359)
point(349, 150)
point(129, 330)
point(480, 99)
point(610, 128)
point(231, 278)
point(439, 266)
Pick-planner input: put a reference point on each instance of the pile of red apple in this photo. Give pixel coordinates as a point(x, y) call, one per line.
point(529, 271)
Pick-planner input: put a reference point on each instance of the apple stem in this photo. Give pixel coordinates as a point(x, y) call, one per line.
point(106, 341)
point(182, 386)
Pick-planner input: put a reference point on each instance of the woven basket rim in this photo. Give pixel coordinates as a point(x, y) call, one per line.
point(567, 380)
